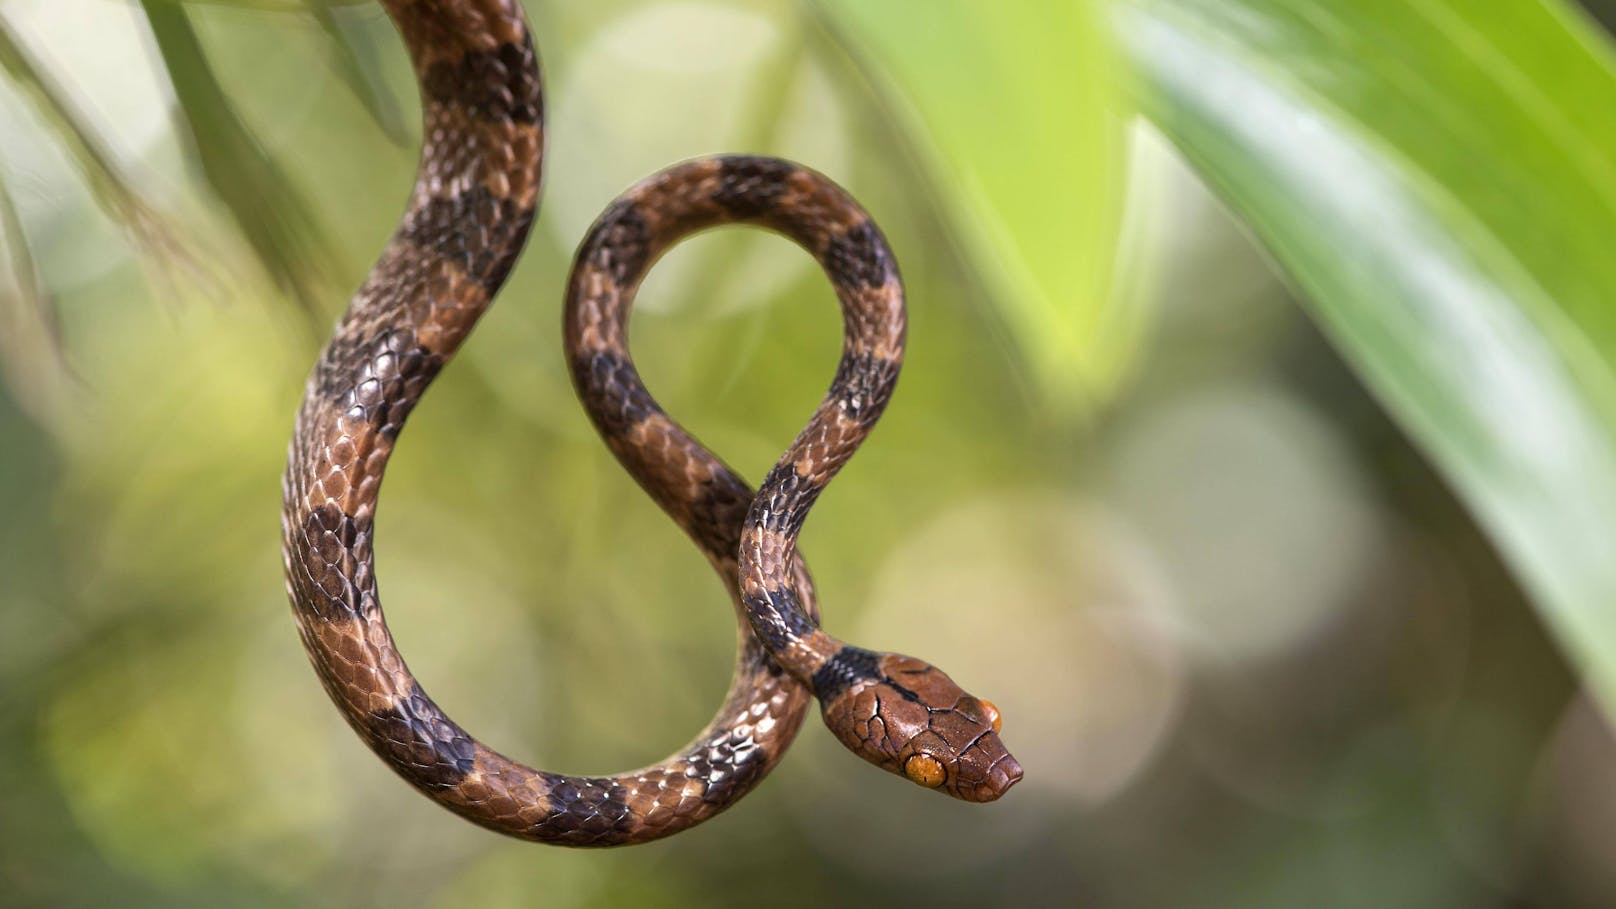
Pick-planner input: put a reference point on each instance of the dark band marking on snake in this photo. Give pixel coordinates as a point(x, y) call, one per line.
point(466, 221)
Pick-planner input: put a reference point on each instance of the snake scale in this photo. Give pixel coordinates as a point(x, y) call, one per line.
point(470, 212)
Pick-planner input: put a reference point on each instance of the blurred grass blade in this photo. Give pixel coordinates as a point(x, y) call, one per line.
point(1440, 184)
point(111, 188)
point(265, 205)
point(33, 362)
point(1007, 104)
point(282, 6)
point(354, 58)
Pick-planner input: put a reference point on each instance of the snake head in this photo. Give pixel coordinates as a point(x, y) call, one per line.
point(907, 716)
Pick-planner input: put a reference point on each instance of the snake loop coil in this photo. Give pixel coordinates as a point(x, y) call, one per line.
point(468, 217)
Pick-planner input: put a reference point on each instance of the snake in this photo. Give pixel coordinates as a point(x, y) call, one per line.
point(473, 204)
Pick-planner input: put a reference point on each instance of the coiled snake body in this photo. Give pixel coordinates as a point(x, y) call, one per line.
point(472, 207)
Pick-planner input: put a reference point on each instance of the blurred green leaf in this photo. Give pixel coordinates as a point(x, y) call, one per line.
point(353, 56)
point(282, 6)
point(26, 297)
point(276, 220)
point(111, 188)
point(356, 63)
point(1006, 108)
point(31, 352)
point(1440, 185)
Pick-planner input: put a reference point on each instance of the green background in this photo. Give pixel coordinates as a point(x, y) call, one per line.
point(1252, 453)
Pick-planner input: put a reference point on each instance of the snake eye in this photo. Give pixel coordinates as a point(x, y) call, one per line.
point(993, 715)
point(924, 770)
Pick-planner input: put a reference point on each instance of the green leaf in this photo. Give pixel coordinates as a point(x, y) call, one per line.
point(33, 363)
point(1437, 177)
point(276, 220)
point(111, 188)
point(1006, 107)
point(354, 57)
point(356, 62)
point(283, 6)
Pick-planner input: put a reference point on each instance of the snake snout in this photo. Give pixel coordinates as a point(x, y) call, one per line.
point(1003, 774)
point(986, 770)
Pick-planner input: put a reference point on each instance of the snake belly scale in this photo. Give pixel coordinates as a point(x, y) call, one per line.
point(467, 219)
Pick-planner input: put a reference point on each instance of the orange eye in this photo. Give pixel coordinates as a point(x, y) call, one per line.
point(993, 715)
point(924, 770)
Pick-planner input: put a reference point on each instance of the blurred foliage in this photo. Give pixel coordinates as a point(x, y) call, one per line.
point(267, 207)
point(1032, 100)
point(1439, 184)
point(102, 173)
point(1249, 647)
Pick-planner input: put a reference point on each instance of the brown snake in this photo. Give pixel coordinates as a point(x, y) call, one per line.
point(469, 215)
